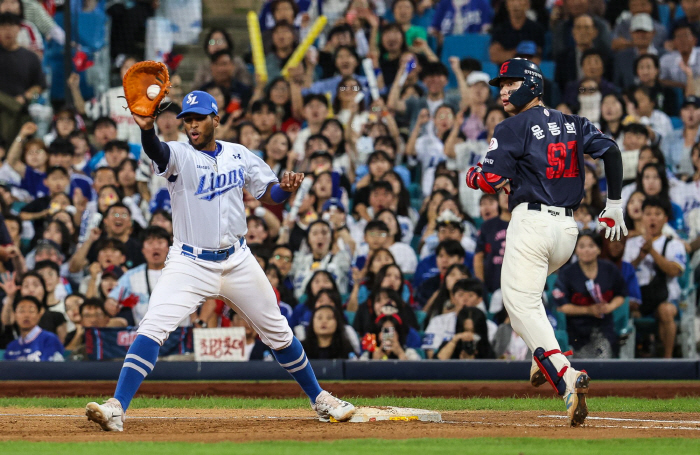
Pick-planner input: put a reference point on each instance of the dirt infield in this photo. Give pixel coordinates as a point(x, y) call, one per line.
point(289, 389)
point(192, 425)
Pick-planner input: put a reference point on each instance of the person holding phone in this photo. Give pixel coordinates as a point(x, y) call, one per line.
point(388, 340)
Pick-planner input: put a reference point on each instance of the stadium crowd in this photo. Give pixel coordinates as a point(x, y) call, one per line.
point(391, 256)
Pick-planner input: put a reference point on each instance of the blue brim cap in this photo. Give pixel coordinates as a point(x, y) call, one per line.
point(198, 102)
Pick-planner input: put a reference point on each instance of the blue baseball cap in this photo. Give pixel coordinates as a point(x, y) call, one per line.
point(198, 102)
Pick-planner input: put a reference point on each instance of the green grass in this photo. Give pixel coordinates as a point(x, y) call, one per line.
point(481, 446)
point(595, 404)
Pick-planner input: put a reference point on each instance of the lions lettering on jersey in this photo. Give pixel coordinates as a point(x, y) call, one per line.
point(212, 185)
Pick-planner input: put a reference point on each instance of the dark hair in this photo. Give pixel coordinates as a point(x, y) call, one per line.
point(379, 185)
point(404, 197)
point(400, 326)
point(349, 49)
point(110, 169)
point(333, 294)
point(36, 275)
point(227, 38)
point(238, 128)
point(419, 90)
point(283, 161)
point(434, 69)
point(604, 127)
point(213, 58)
point(26, 298)
point(387, 140)
point(376, 225)
point(315, 97)
point(412, 2)
point(111, 243)
point(276, 3)
point(679, 25)
point(469, 285)
point(646, 91)
point(593, 235)
point(54, 169)
point(379, 154)
point(470, 64)
point(121, 145)
point(423, 218)
point(387, 28)
point(451, 248)
point(663, 204)
point(398, 235)
point(652, 57)
point(589, 52)
point(377, 284)
point(637, 128)
point(443, 293)
point(340, 347)
point(164, 213)
point(318, 137)
point(339, 29)
point(10, 18)
point(483, 347)
point(661, 171)
point(155, 232)
point(340, 149)
point(61, 146)
point(47, 264)
point(103, 121)
point(258, 106)
point(92, 303)
point(336, 101)
point(329, 275)
point(629, 222)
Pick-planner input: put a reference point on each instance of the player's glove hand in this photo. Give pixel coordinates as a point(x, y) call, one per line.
point(612, 219)
point(487, 182)
point(472, 175)
point(136, 82)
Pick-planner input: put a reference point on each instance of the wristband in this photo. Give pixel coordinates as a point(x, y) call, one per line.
point(614, 204)
point(278, 195)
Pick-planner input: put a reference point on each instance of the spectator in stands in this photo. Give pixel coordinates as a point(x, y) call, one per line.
point(133, 289)
point(490, 247)
point(633, 214)
point(452, 223)
point(375, 238)
point(129, 27)
point(691, 15)
point(593, 196)
point(593, 68)
point(625, 69)
point(283, 43)
point(659, 261)
point(322, 256)
point(653, 182)
point(613, 251)
point(31, 284)
point(647, 70)
point(339, 35)
point(569, 65)
point(389, 340)
point(216, 40)
point(477, 105)
point(562, 29)
point(326, 335)
point(56, 182)
point(21, 81)
point(470, 340)
point(623, 34)
point(677, 144)
point(29, 160)
point(645, 109)
point(404, 13)
point(388, 285)
point(612, 111)
point(364, 278)
point(676, 66)
point(404, 254)
point(506, 36)
point(33, 344)
point(448, 252)
point(92, 315)
point(440, 302)
point(347, 66)
point(588, 292)
point(29, 36)
point(636, 136)
point(454, 18)
point(55, 291)
point(687, 194)
point(223, 72)
point(263, 115)
point(254, 348)
point(314, 112)
point(434, 76)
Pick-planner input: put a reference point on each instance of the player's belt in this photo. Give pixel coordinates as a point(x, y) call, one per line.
point(536, 206)
point(213, 255)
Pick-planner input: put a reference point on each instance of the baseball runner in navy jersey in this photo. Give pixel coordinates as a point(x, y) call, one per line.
point(537, 156)
point(209, 257)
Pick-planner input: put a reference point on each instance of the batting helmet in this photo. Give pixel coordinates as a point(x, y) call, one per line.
point(528, 72)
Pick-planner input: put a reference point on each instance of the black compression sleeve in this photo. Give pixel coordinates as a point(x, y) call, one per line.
point(612, 159)
point(156, 150)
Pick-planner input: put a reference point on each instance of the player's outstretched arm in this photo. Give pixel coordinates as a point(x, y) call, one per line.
point(156, 150)
point(612, 218)
point(280, 192)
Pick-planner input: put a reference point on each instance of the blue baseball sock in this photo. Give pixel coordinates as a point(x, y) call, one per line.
point(293, 359)
point(139, 361)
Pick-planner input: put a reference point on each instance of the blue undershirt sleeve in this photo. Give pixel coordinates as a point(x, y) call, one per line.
point(156, 150)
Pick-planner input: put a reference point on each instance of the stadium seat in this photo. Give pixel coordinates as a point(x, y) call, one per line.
point(349, 316)
point(547, 67)
point(677, 123)
point(420, 317)
point(624, 327)
point(664, 15)
point(472, 45)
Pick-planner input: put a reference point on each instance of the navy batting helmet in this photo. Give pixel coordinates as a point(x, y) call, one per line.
point(528, 72)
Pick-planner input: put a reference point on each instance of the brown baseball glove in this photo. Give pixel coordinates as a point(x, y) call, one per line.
point(136, 82)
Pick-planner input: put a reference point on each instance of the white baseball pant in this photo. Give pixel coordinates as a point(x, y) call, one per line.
point(238, 280)
point(538, 243)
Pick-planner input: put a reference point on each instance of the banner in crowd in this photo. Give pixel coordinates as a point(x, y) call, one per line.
point(219, 345)
point(113, 343)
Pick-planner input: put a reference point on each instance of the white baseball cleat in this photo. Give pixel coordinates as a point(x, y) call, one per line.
point(109, 415)
point(327, 406)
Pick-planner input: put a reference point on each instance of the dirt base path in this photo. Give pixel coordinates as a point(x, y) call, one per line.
point(198, 425)
point(289, 389)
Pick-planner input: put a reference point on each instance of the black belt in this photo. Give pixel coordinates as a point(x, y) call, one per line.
point(538, 207)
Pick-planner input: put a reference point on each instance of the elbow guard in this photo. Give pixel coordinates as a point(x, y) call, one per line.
point(487, 182)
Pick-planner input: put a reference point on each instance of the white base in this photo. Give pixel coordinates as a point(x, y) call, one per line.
point(379, 413)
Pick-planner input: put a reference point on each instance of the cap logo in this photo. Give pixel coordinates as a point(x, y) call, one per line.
point(192, 99)
point(504, 67)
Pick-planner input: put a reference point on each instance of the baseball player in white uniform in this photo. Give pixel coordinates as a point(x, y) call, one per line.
point(209, 257)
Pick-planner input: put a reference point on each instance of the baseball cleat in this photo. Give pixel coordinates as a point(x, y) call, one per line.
point(536, 376)
point(576, 407)
point(109, 415)
point(327, 406)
